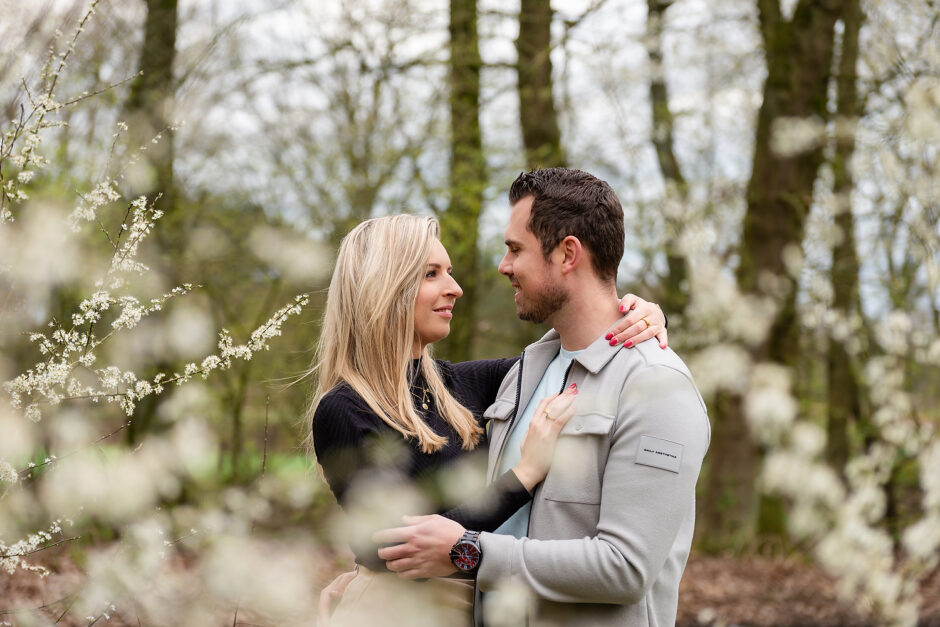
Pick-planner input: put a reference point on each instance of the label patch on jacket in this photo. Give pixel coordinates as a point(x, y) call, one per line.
point(659, 453)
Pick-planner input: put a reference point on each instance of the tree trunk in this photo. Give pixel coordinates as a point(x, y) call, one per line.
point(779, 194)
point(150, 100)
point(460, 223)
point(147, 112)
point(844, 386)
point(538, 118)
point(675, 293)
point(727, 513)
point(540, 132)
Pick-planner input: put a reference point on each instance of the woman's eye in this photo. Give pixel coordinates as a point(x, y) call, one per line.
point(431, 274)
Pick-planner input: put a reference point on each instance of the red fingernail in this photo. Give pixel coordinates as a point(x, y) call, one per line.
point(573, 386)
point(613, 342)
point(622, 309)
point(608, 336)
point(628, 343)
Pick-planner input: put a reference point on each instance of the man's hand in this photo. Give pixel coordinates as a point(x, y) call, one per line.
point(425, 546)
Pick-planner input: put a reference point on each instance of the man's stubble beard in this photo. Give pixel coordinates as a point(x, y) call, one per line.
point(550, 300)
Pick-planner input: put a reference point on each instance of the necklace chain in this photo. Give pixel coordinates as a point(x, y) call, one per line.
point(424, 397)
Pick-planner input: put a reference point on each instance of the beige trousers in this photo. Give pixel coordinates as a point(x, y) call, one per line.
point(385, 599)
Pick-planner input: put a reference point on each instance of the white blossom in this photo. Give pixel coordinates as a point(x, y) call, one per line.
point(8, 473)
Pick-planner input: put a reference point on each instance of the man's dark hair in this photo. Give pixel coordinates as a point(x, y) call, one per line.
point(571, 202)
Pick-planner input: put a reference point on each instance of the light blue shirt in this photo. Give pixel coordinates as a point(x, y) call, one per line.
point(518, 524)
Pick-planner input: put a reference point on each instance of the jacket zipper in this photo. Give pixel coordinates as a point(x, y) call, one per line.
point(565, 380)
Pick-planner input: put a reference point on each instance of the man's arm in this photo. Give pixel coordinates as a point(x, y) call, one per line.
point(642, 506)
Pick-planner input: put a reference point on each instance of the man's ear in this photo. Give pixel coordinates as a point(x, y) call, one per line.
point(573, 253)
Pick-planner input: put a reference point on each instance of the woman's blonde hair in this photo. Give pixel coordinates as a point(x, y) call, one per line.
point(368, 329)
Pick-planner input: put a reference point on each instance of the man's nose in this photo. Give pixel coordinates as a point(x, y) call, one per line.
point(504, 266)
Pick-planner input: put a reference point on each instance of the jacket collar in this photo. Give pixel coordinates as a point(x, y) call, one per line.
point(593, 358)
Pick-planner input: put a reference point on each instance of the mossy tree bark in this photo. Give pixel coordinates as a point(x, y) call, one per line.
point(460, 222)
point(675, 290)
point(799, 56)
point(541, 135)
point(844, 383)
point(150, 101)
point(148, 112)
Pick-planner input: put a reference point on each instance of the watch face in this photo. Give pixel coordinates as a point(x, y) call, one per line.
point(467, 556)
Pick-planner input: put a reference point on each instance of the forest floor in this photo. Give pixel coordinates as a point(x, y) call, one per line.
point(715, 591)
point(775, 592)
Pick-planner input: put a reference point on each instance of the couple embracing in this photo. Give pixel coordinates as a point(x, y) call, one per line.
point(592, 439)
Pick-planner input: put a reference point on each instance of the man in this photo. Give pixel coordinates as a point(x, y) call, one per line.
point(607, 534)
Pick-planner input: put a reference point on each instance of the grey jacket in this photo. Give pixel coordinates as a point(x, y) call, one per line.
point(611, 525)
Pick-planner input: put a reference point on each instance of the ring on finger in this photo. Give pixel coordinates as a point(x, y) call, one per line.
point(548, 415)
point(648, 325)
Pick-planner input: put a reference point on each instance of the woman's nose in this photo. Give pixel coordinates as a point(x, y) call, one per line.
point(455, 288)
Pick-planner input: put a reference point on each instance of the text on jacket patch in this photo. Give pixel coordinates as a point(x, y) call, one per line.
point(659, 453)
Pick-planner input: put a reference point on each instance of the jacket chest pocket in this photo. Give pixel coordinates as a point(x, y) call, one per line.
point(580, 456)
point(497, 415)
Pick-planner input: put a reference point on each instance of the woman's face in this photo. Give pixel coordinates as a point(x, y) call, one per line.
point(436, 297)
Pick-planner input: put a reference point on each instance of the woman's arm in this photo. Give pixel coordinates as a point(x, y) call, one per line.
point(359, 460)
point(513, 489)
point(477, 382)
point(642, 321)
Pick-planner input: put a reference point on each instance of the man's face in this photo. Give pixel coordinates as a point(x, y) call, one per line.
point(538, 292)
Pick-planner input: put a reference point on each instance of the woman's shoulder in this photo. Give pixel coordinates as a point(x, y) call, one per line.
point(340, 393)
point(342, 408)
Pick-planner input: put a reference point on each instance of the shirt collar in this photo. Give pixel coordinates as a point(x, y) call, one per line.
point(593, 358)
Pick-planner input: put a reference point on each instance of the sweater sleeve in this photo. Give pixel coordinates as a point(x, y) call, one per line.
point(363, 470)
point(501, 500)
point(477, 382)
point(340, 441)
point(362, 465)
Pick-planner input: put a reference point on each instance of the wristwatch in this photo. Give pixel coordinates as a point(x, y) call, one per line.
point(466, 552)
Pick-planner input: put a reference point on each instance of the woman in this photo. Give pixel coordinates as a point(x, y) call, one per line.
point(394, 430)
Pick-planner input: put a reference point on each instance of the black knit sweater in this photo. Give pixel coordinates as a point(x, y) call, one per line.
point(358, 451)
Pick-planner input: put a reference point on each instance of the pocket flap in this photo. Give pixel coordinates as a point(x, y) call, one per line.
point(589, 424)
point(501, 409)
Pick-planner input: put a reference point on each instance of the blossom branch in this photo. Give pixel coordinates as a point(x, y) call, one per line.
point(4, 556)
point(27, 472)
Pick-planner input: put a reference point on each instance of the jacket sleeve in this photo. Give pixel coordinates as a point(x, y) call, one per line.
point(641, 508)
